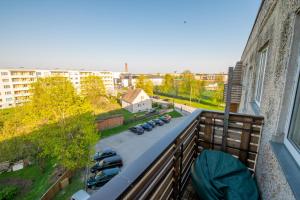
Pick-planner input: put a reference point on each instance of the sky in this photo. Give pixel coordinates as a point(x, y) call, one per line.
point(150, 35)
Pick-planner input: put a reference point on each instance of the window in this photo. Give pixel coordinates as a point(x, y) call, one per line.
point(5, 80)
point(261, 67)
point(7, 93)
point(6, 86)
point(8, 99)
point(4, 73)
point(292, 139)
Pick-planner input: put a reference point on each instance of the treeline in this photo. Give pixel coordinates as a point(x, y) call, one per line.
point(186, 86)
point(57, 123)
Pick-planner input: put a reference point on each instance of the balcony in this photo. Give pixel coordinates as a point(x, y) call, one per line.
point(163, 171)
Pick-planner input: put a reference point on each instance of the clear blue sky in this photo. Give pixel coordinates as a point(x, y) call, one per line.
point(150, 35)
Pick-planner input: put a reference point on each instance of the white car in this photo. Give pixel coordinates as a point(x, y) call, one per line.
point(80, 195)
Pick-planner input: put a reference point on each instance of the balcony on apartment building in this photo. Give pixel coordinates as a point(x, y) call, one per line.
point(163, 171)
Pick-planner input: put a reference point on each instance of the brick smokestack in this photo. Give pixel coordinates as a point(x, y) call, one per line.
point(126, 67)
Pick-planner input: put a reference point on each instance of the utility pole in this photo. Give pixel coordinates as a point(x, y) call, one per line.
point(191, 95)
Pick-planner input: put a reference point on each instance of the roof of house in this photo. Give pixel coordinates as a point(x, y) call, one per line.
point(131, 95)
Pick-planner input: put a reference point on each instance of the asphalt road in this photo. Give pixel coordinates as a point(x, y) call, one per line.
point(130, 146)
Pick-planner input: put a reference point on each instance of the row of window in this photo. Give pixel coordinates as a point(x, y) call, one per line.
point(292, 137)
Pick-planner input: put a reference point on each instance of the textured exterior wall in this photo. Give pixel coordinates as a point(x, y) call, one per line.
point(274, 28)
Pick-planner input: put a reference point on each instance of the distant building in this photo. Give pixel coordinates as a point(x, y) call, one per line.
point(136, 100)
point(211, 77)
point(129, 80)
point(15, 83)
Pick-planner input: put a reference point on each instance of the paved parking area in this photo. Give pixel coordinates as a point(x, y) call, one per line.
point(130, 146)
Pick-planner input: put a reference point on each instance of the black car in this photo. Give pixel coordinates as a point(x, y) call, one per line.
point(102, 177)
point(147, 127)
point(137, 129)
point(158, 122)
point(164, 119)
point(151, 123)
point(110, 162)
point(104, 154)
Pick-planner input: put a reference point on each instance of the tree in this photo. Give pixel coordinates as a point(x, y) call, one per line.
point(145, 84)
point(66, 126)
point(187, 83)
point(16, 125)
point(93, 90)
point(167, 86)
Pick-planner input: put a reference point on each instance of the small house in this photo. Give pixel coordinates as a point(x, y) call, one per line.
point(136, 100)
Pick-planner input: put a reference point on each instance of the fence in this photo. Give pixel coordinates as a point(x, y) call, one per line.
point(109, 122)
point(56, 187)
point(163, 171)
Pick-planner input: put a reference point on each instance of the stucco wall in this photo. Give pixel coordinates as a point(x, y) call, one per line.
point(274, 28)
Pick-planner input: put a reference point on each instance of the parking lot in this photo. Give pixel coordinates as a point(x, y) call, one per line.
point(130, 146)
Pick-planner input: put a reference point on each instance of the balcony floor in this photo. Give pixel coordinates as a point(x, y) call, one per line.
point(189, 193)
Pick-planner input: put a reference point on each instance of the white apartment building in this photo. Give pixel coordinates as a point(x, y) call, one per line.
point(15, 83)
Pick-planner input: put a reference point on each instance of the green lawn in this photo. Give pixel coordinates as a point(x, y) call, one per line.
point(40, 181)
point(126, 114)
point(76, 184)
point(194, 104)
point(113, 131)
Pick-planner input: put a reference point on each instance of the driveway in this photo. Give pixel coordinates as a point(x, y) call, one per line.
point(130, 146)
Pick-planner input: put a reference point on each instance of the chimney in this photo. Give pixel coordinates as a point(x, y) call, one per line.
point(126, 67)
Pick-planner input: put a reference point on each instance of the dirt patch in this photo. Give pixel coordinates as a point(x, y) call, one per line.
point(23, 184)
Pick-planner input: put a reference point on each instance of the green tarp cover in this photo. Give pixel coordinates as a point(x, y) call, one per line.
point(218, 175)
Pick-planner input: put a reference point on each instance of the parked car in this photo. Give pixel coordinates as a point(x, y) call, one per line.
point(102, 177)
point(164, 119)
point(104, 154)
point(152, 123)
point(158, 122)
point(147, 127)
point(80, 195)
point(137, 129)
point(110, 162)
point(152, 110)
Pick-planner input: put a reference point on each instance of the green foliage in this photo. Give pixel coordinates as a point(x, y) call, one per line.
point(204, 105)
point(168, 84)
point(145, 84)
point(67, 129)
point(186, 86)
point(93, 90)
point(8, 192)
point(37, 182)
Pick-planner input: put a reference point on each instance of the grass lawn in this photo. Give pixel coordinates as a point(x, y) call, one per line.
point(76, 184)
point(126, 114)
point(38, 182)
point(113, 131)
point(194, 104)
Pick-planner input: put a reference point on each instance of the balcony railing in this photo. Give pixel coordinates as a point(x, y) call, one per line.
point(163, 171)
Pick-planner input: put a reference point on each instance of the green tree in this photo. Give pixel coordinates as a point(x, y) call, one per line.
point(187, 83)
point(66, 126)
point(167, 86)
point(93, 90)
point(146, 84)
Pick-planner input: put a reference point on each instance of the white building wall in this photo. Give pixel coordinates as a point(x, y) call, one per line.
point(15, 83)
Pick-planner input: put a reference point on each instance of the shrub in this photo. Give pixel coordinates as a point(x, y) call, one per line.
point(8, 192)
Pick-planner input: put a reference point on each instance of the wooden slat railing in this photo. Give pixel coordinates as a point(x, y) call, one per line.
point(162, 172)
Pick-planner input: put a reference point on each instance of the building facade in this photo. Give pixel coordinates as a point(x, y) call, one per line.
point(271, 88)
point(136, 100)
point(214, 77)
point(15, 83)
